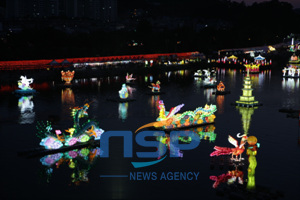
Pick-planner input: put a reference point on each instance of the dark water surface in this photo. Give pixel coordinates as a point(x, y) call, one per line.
point(277, 174)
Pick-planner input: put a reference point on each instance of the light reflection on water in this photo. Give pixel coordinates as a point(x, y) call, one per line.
point(27, 115)
point(267, 124)
point(123, 107)
point(289, 84)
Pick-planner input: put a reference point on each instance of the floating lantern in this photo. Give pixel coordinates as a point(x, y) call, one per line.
point(155, 87)
point(210, 82)
point(173, 120)
point(235, 152)
point(77, 134)
point(123, 93)
point(67, 76)
point(24, 85)
point(253, 68)
point(251, 152)
point(221, 87)
point(247, 100)
point(129, 78)
point(294, 59)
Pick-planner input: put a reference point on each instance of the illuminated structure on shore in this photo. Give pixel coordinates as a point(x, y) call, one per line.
point(247, 100)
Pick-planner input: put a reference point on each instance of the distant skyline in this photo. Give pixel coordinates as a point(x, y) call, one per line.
point(295, 3)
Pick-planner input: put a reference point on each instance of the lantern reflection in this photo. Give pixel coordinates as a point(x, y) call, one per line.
point(290, 83)
point(246, 117)
point(199, 133)
point(26, 106)
point(220, 103)
point(123, 107)
point(67, 96)
point(208, 93)
point(154, 102)
point(79, 162)
point(68, 101)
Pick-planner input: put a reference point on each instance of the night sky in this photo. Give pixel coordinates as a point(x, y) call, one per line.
point(295, 3)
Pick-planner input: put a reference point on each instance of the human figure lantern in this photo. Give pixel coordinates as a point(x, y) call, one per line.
point(67, 76)
point(284, 71)
point(292, 71)
point(251, 152)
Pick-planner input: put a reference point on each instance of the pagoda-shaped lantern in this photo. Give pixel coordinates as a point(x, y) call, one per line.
point(247, 100)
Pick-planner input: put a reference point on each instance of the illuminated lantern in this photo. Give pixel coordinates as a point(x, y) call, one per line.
point(237, 151)
point(123, 93)
point(221, 87)
point(253, 68)
point(294, 59)
point(129, 78)
point(209, 82)
point(155, 86)
point(247, 100)
point(173, 119)
point(151, 63)
point(24, 85)
point(251, 152)
point(51, 143)
point(67, 76)
point(78, 133)
point(284, 71)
